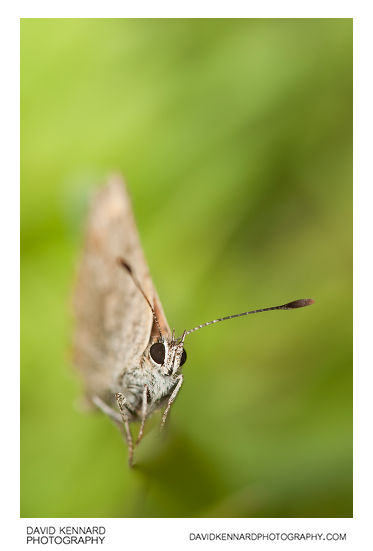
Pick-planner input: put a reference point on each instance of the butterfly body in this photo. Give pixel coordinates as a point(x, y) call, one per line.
point(123, 347)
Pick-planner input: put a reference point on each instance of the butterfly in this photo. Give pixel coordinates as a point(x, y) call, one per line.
point(129, 359)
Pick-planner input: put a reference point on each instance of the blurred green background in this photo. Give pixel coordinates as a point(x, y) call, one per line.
point(235, 138)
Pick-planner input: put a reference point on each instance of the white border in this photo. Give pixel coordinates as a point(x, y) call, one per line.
point(165, 533)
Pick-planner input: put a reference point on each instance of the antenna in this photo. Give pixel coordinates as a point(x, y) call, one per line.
point(127, 267)
point(300, 303)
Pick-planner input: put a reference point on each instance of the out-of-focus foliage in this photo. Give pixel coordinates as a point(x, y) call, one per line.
point(235, 138)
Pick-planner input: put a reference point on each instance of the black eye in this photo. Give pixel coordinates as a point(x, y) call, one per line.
point(183, 357)
point(157, 352)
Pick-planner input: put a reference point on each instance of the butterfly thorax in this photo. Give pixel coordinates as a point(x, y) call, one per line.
point(159, 388)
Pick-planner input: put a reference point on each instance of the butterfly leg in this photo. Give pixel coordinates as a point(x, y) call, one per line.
point(121, 401)
point(171, 400)
point(143, 414)
point(114, 415)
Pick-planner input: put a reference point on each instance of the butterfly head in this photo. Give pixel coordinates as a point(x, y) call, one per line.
point(168, 355)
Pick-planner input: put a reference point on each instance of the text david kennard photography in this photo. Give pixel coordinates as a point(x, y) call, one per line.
point(65, 534)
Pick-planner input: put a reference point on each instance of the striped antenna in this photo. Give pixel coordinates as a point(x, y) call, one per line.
point(124, 264)
point(300, 303)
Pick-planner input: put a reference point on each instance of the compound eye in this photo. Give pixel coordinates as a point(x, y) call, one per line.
point(157, 352)
point(183, 357)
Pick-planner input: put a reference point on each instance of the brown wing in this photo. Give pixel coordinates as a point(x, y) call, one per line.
point(113, 321)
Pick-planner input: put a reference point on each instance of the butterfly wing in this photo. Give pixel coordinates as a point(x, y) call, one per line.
point(113, 321)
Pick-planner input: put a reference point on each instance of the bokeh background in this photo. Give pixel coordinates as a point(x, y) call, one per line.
point(235, 138)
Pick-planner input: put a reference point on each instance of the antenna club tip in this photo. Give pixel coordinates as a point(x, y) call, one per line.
point(300, 303)
point(124, 264)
